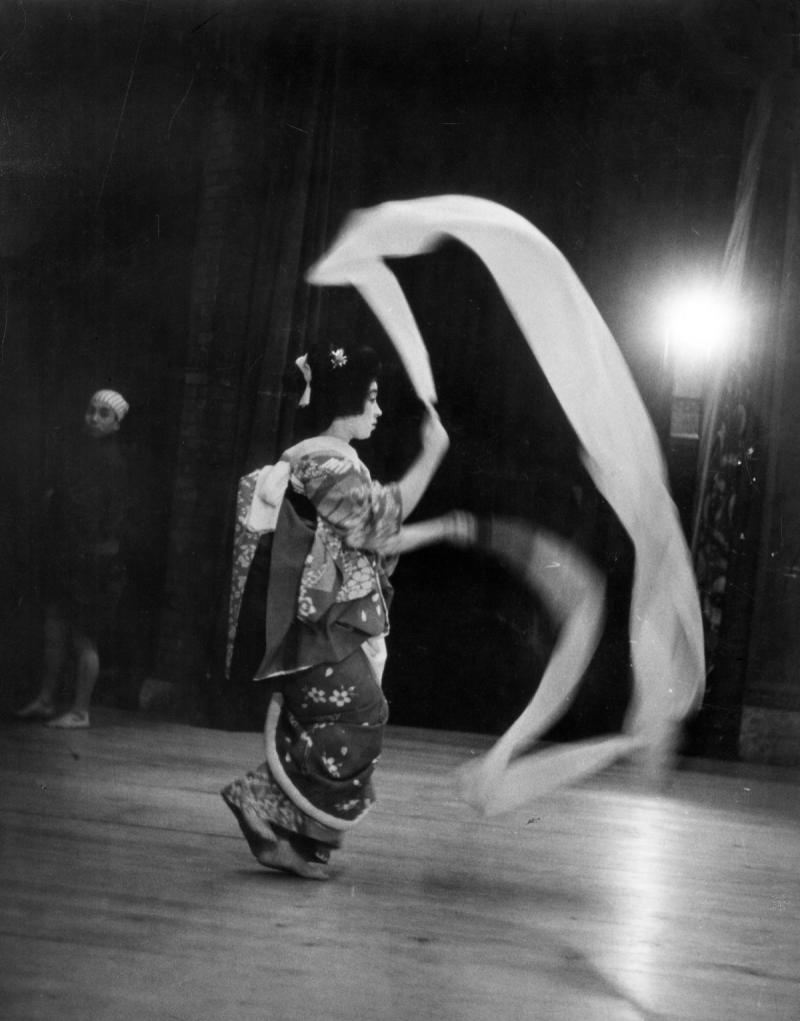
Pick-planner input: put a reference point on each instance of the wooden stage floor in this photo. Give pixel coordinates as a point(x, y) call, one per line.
point(128, 893)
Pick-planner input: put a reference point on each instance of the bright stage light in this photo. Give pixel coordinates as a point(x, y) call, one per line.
point(699, 323)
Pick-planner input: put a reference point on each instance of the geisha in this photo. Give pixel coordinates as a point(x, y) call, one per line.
point(314, 615)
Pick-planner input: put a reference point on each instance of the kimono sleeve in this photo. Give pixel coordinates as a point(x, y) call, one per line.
point(364, 513)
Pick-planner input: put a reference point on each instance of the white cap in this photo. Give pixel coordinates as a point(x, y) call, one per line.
point(113, 400)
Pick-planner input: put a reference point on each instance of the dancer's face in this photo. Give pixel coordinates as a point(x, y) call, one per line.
point(363, 425)
point(100, 420)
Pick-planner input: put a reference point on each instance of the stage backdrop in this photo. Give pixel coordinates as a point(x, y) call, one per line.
point(205, 158)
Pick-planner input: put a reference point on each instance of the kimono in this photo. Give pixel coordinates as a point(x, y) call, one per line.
point(310, 620)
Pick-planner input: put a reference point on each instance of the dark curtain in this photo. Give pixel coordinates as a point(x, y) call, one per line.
point(579, 132)
point(97, 199)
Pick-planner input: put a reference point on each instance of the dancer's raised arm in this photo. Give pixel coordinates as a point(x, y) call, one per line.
point(435, 443)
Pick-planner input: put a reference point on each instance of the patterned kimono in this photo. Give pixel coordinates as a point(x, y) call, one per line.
point(309, 620)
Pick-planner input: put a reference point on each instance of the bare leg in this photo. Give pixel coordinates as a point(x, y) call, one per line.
point(88, 670)
point(55, 649)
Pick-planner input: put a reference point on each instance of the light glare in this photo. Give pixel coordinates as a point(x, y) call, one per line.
point(699, 323)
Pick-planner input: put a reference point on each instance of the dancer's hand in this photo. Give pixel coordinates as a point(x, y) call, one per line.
point(435, 441)
point(460, 528)
point(433, 434)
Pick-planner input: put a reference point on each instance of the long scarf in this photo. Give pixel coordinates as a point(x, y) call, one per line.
point(590, 378)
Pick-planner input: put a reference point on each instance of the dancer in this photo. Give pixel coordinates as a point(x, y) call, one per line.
point(314, 615)
point(84, 572)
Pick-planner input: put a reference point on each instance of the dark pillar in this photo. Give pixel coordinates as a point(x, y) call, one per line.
point(770, 728)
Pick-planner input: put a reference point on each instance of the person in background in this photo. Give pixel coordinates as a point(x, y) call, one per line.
point(314, 614)
point(83, 569)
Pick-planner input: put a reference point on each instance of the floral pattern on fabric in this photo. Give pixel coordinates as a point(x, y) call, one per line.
point(259, 796)
point(364, 513)
point(244, 548)
point(329, 734)
point(356, 516)
point(324, 735)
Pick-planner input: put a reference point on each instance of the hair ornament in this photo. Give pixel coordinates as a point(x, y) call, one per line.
point(305, 369)
point(338, 358)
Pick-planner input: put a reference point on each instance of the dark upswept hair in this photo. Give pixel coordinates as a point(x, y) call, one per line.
point(340, 381)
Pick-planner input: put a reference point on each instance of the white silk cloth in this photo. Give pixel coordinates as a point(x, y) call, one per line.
point(591, 380)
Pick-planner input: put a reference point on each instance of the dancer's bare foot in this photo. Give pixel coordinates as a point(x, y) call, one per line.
point(283, 856)
point(38, 709)
point(75, 719)
point(272, 850)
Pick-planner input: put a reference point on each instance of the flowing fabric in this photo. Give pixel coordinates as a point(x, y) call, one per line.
point(590, 378)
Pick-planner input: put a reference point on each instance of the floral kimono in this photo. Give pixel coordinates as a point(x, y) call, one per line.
point(310, 621)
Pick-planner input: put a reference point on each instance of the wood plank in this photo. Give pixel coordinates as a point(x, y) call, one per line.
point(127, 891)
